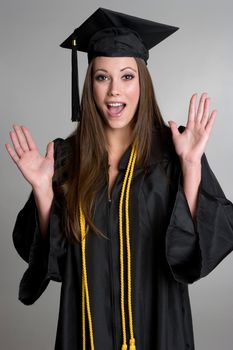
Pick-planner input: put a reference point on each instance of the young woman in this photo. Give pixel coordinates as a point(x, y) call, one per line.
point(128, 215)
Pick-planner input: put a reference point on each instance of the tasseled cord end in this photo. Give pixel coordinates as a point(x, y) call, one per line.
point(75, 88)
point(132, 345)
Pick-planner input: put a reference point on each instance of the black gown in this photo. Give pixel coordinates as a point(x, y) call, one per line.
point(168, 249)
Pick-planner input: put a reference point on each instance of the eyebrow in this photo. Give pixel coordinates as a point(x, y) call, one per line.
point(128, 68)
point(104, 70)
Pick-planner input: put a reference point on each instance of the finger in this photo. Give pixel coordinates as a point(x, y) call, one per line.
point(12, 153)
point(29, 139)
point(211, 121)
point(21, 138)
point(50, 150)
point(174, 128)
point(206, 112)
point(192, 110)
point(16, 144)
point(201, 107)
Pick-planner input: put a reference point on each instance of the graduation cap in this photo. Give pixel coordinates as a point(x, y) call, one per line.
point(112, 34)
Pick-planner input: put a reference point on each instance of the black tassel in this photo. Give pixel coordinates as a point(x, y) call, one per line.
point(75, 87)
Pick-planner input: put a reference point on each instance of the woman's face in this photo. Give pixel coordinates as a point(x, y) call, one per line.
point(116, 89)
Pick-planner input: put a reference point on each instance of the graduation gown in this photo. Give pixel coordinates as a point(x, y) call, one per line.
point(169, 250)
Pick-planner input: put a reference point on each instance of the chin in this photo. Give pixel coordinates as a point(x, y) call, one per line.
point(119, 126)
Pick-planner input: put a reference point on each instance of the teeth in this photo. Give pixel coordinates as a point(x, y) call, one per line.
point(116, 104)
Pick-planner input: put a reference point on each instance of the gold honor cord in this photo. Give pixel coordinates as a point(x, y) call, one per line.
point(126, 186)
point(83, 314)
point(132, 345)
point(85, 292)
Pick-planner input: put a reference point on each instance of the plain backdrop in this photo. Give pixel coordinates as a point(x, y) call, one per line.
point(35, 91)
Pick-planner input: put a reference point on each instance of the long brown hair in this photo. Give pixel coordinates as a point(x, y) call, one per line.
point(88, 168)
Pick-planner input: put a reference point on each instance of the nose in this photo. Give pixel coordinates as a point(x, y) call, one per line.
point(114, 89)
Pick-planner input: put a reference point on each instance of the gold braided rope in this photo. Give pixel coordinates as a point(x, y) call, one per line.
point(126, 182)
point(85, 283)
point(127, 231)
point(85, 292)
point(124, 346)
point(83, 315)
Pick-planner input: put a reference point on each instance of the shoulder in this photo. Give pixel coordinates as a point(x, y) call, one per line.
point(63, 147)
point(164, 157)
point(63, 156)
point(162, 147)
point(63, 150)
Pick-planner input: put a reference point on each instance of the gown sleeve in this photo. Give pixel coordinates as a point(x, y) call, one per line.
point(195, 247)
point(45, 256)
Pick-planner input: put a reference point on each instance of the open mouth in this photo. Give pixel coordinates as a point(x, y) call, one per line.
point(115, 108)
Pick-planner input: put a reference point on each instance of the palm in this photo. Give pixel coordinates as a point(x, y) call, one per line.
point(190, 145)
point(35, 168)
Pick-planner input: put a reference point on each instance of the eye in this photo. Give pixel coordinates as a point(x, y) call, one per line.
point(128, 76)
point(101, 77)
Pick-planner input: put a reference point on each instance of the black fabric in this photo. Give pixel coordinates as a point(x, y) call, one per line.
point(169, 251)
point(149, 33)
point(117, 42)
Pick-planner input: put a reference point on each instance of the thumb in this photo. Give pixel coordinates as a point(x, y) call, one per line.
point(173, 127)
point(50, 150)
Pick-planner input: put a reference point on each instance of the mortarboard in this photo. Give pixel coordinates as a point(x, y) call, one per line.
point(112, 34)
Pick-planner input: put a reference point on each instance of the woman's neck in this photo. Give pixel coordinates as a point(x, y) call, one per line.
point(118, 141)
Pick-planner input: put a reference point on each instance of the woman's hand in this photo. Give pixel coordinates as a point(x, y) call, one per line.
point(36, 169)
point(191, 144)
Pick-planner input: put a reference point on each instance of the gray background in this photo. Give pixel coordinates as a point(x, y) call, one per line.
point(35, 91)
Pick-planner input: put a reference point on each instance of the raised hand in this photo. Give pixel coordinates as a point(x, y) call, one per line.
point(191, 144)
point(37, 169)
